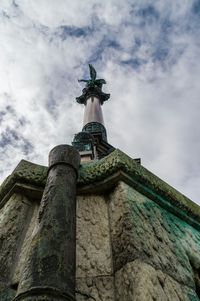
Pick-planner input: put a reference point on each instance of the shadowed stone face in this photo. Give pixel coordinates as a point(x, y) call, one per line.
point(14, 218)
point(50, 266)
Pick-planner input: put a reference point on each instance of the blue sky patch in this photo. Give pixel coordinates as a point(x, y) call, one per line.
point(135, 63)
point(71, 31)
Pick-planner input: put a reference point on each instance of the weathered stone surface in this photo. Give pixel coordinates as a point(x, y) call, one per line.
point(141, 229)
point(12, 222)
point(50, 264)
point(130, 171)
point(44, 298)
point(93, 238)
point(25, 172)
point(136, 236)
point(43, 294)
point(14, 219)
point(95, 288)
point(25, 247)
point(6, 293)
point(138, 281)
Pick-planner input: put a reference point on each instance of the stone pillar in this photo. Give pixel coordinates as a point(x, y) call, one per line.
point(49, 272)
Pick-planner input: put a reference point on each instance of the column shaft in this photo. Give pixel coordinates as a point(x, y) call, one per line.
point(93, 111)
point(49, 273)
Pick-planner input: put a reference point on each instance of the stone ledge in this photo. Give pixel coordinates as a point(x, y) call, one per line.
point(103, 174)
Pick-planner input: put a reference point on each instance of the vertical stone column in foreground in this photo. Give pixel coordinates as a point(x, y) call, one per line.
point(49, 272)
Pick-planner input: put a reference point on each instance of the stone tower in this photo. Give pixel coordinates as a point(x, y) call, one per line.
point(96, 225)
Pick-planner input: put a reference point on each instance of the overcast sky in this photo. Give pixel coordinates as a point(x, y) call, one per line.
point(149, 54)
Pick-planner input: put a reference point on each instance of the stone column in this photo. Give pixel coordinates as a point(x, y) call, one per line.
point(49, 272)
point(93, 111)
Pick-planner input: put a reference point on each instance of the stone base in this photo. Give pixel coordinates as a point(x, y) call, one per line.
point(44, 294)
point(139, 281)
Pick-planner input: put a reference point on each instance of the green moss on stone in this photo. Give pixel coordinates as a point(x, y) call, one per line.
point(97, 171)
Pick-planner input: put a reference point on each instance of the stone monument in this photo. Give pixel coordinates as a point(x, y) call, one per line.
point(96, 224)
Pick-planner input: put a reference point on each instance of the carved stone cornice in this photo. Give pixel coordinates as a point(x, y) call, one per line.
point(103, 174)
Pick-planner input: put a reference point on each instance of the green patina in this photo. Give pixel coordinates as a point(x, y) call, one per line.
point(95, 127)
point(98, 171)
point(93, 81)
point(7, 295)
point(93, 88)
point(156, 223)
point(160, 238)
point(192, 296)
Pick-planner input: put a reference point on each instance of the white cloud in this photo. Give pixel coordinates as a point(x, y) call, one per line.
point(147, 51)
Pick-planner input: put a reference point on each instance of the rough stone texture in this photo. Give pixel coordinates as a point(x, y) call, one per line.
point(25, 172)
point(43, 294)
point(93, 251)
point(25, 247)
point(49, 269)
point(95, 288)
point(141, 229)
point(6, 293)
point(139, 281)
point(14, 219)
point(139, 241)
point(93, 172)
point(93, 238)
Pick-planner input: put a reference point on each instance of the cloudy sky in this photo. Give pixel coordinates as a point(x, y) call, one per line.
point(149, 54)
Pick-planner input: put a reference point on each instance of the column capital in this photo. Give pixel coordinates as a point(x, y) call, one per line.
point(64, 154)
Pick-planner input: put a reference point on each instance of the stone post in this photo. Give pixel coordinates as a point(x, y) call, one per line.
point(49, 272)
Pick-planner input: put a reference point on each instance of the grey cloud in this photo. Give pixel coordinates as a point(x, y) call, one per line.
point(147, 51)
point(11, 137)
